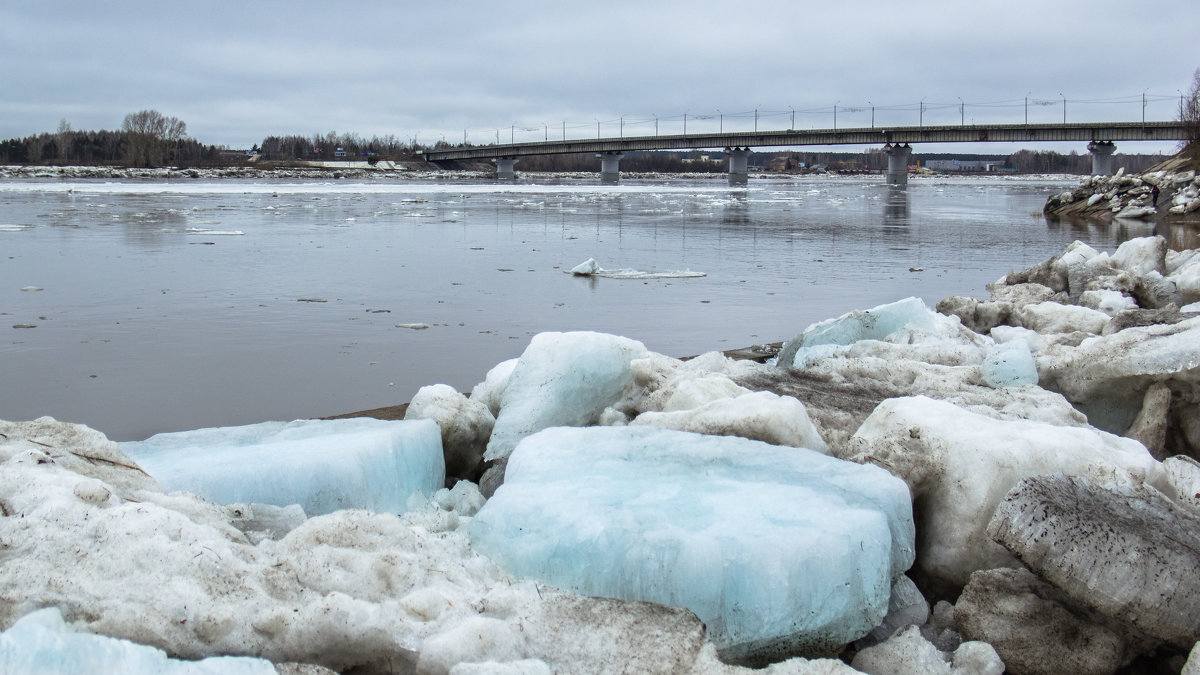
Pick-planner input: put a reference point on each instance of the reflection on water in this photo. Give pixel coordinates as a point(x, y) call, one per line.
point(155, 317)
point(895, 208)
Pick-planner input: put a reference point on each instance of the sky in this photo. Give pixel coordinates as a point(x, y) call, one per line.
point(236, 72)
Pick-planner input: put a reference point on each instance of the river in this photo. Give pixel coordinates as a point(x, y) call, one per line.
point(166, 305)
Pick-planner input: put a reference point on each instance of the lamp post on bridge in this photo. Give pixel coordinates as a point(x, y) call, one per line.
point(621, 132)
point(962, 116)
point(872, 114)
point(1064, 107)
point(685, 123)
point(756, 119)
point(921, 117)
point(793, 127)
point(835, 105)
point(597, 129)
point(1027, 107)
point(1144, 106)
point(655, 124)
point(720, 121)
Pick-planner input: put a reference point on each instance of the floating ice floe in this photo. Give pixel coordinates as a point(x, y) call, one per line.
point(591, 268)
point(776, 549)
point(200, 230)
point(322, 465)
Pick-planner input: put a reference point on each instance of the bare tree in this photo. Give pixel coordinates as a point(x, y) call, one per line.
point(1189, 111)
point(150, 134)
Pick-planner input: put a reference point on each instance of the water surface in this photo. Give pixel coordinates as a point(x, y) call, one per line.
point(176, 305)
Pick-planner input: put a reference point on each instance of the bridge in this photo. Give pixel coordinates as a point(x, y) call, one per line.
point(1101, 138)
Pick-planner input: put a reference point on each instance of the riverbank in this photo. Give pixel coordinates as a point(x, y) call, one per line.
point(1167, 192)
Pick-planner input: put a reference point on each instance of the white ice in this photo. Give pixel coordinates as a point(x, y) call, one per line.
point(591, 268)
point(772, 547)
point(322, 465)
point(899, 321)
point(960, 464)
point(42, 643)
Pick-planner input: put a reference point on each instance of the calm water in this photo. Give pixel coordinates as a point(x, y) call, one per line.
point(157, 315)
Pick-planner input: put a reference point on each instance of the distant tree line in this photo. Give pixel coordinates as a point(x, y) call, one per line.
point(146, 139)
point(326, 147)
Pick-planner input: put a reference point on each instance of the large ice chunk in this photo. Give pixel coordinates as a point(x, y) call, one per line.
point(563, 379)
point(322, 465)
point(959, 464)
point(41, 642)
point(777, 550)
point(901, 321)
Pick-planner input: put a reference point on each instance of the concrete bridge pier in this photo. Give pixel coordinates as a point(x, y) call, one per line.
point(1102, 152)
point(610, 166)
point(738, 173)
point(898, 156)
point(504, 168)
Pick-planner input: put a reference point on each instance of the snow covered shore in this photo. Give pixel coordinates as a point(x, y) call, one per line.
point(1001, 485)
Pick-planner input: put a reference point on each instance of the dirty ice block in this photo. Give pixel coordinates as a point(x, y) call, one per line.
point(322, 465)
point(779, 550)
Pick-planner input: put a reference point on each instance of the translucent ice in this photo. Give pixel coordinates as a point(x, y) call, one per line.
point(1009, 364)
point(42, 643)
point(322, 465)
point(563, 379)
point(775, 549)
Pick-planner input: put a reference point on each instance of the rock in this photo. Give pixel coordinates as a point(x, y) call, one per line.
point(1032, 631)
point(1124, 552)
point(959, 464)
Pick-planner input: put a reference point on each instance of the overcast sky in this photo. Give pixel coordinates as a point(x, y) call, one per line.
point(236, 72)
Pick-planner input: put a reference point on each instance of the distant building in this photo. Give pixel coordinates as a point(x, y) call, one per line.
point(964, 165)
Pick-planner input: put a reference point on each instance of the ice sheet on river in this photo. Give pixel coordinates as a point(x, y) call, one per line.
point(776, 549)
point(591, 268)
point(322, 465)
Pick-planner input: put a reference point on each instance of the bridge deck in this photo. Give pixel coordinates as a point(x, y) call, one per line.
point(971, 133)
